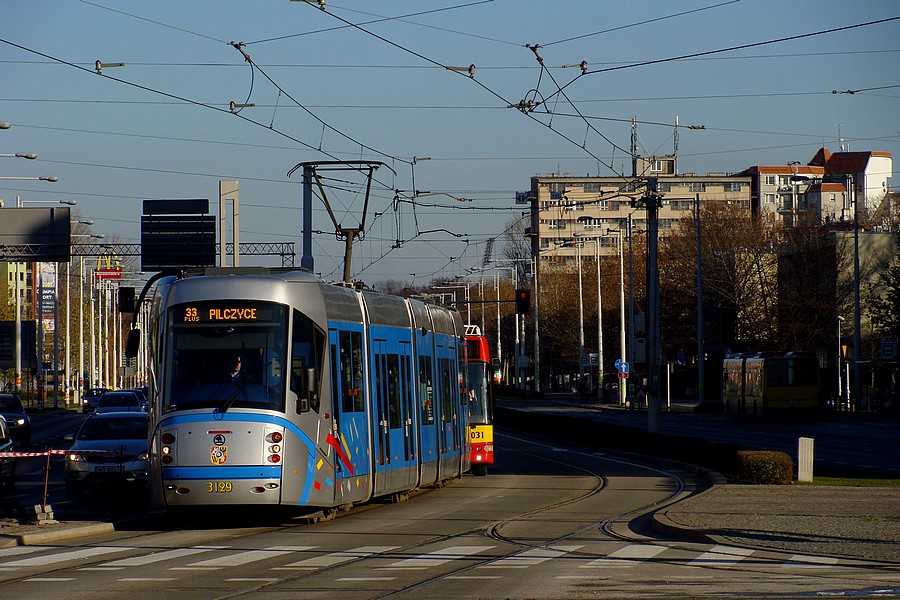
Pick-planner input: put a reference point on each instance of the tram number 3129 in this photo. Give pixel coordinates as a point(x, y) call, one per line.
point(219, 487)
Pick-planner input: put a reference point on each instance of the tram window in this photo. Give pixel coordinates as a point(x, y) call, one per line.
point(351, 371)
point(446, 390)
point(393, 389)
point(426, 390)
point(307, 345)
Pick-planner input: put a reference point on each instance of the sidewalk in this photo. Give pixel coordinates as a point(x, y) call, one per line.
point(854, 522)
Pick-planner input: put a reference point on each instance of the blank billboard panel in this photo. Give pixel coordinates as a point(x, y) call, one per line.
point(35, 234)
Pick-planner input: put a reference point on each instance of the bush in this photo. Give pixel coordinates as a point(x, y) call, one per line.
point(766, 467)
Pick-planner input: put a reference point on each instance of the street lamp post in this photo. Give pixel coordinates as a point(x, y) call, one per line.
point(840, 388)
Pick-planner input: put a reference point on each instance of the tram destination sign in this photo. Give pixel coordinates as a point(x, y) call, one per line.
point(223, 313)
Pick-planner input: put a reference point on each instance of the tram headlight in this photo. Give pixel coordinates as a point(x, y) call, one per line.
point(274, 458)
point(275, 437)
point(275, 449)
point(167, 438)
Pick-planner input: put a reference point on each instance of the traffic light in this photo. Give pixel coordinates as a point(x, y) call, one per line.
point(523, 302)
point(126, 299)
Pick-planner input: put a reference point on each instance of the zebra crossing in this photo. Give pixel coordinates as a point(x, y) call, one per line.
point(590, 560)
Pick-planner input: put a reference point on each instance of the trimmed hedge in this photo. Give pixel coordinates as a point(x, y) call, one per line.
point(766, 467)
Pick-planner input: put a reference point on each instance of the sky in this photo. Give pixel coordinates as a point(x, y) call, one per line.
point(749, 82)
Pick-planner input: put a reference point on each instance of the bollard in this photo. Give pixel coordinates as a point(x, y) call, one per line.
point(805, 460)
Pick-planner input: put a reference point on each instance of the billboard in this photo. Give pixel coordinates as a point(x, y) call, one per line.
point(35, 234)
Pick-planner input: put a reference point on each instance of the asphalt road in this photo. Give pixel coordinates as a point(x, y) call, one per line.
point(549, 521)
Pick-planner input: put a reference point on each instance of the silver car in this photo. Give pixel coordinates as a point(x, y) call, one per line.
point(109, 447)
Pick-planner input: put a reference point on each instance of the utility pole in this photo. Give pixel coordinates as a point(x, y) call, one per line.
point(652, 202)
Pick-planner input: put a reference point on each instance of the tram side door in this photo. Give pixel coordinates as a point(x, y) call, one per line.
point(427, 411)
point(402, 430)
point(350, 437)
point(381, 417)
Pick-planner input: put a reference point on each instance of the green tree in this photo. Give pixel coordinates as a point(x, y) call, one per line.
point(884, 304)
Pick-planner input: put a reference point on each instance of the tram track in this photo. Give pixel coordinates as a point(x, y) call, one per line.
point(551, 455)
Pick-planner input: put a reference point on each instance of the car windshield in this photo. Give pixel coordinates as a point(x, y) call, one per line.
point(113, 429)
point(118, 400)
point(10, 404)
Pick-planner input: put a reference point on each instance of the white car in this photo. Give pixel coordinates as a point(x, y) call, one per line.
point(109, 447)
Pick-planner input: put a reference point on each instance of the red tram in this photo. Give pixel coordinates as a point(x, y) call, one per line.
point(481, 400)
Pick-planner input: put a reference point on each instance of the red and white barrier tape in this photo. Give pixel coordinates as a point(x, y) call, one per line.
point(48, 452)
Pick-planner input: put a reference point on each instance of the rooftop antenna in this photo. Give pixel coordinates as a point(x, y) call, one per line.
point(675, 153)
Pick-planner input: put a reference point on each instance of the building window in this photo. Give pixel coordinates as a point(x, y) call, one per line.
point(591, 186)
point(696, 186)
point(556, 187)
point(770, 180)
point(733, 186)
point(770, 198)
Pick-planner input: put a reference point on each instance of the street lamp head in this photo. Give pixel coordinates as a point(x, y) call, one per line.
point(840, 318)
point(28, 155)
point(5, 125)
point(52, 178)
point(69, 202)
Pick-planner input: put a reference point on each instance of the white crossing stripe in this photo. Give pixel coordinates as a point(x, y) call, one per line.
point(17, 550)
point(242, 558)
point(628, 556)
point(529, 558)
point(810, 562)
point(721, 556)
point(144, 579)
point(336, 558)
point(51, 559)
point(438, 557)
point(139, 561)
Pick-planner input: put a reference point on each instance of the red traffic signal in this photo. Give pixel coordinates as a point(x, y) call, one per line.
point(523, 302)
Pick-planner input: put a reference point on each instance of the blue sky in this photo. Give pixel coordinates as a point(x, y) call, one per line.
point(159, 127)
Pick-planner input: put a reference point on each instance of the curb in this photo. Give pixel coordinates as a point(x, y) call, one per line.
point(51, 535)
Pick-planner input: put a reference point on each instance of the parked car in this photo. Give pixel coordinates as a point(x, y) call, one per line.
point(143, 392)
point(119, 401)
point(19, 423)
point(123, 437)
point(90, 397)
point(7, 463)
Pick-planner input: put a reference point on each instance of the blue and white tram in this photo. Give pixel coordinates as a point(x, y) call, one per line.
point(340, 396)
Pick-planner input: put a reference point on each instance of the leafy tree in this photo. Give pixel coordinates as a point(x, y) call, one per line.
point(884, 307)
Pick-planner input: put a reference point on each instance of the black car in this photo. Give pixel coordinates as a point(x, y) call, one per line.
point(7, 463)
point(19, 423)
point(121, 401)
point(90, 397)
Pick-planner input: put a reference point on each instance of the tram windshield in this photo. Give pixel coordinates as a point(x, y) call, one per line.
point(226, 354)
point(480, 404)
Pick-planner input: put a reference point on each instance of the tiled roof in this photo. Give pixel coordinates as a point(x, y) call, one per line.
point(826, 187)
point(820, 158)
point(849, 163)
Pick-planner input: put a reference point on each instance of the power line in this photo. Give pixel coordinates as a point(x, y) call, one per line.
point(645, 22)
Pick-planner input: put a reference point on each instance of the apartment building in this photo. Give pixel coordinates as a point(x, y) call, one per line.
point(564, 207)
point(822, 191)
